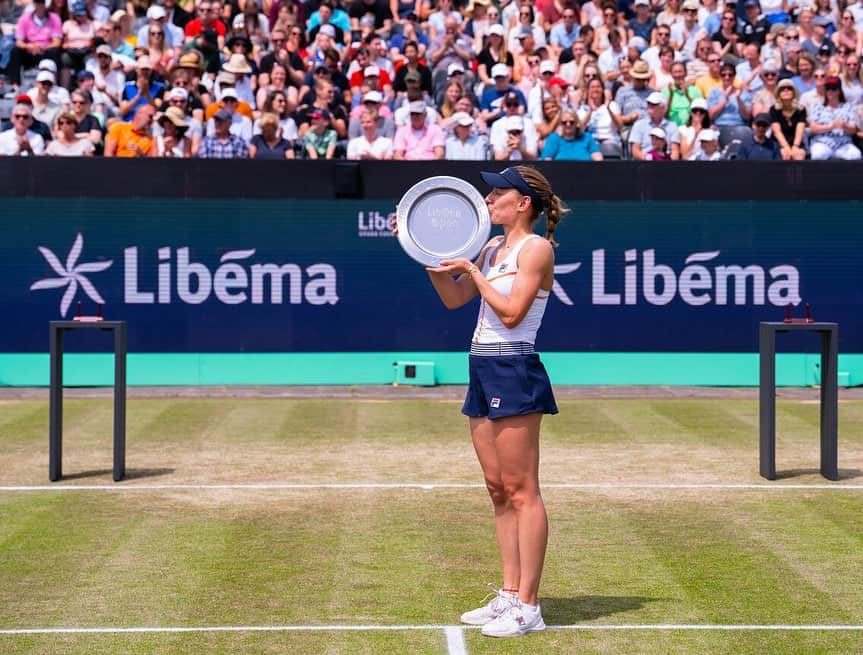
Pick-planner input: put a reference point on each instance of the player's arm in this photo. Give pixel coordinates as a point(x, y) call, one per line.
point(535, 263)
point(455, 292)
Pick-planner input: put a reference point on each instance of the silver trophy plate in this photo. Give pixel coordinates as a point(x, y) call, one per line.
point(442, 217)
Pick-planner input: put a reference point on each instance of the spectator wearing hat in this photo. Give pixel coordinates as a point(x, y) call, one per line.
point(495, 52)
point(108, 79)
point(223, 144)
point(450, 47)
point(788, 122)
point(373, 102)
point(178, 98)
point(513, 137)
point(172, 141)
point(419, 139)
point(686, 34)
point(540, 91)
point(57, 94)
point(759, 146)
point(320, 139)
point(269, 142)
point(658, 149)
point(242, 71)
point(643, 23)
point(145, 90)
point(413, 65)
point(371, 78)
point(20, 140)
point(571, 142)
point(66, 142)
point(709, 141)
point(463, 143)
point(36, 126)
point(564, 32)
point(158, 23)
point(632, 97)
point(680, 94)
point(134, 138)
point(699, 120)
point(38, 35)
point(241, 125)
point(369, 144)
point(492, 102)
point(765, 97)
point(639, 136)
point(833, 124)
point(44, 108)
point(729, 105)
point(78, 34)
point(755, 26)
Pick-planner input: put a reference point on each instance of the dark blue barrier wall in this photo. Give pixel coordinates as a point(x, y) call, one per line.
point(264, 273)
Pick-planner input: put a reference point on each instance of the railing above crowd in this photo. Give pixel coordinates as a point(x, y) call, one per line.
point(647, 80)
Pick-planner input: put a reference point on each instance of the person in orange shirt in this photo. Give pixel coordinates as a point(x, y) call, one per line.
point(133, 139)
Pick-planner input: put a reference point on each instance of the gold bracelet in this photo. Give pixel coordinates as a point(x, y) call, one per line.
point(472, 269)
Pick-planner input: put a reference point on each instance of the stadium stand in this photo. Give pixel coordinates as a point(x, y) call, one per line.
point(308, 79)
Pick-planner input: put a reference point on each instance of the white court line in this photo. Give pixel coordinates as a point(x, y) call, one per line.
point(445, 628)
point(425, 486)
point(455, 640)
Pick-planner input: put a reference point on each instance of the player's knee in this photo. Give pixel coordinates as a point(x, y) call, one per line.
point(496, 491)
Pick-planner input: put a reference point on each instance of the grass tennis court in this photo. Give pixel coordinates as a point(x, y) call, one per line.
point(245, 526)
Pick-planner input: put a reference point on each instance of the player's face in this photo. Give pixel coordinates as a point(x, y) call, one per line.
point(502, 205)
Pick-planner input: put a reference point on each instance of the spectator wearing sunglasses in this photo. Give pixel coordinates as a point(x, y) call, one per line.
point(67, 143)
point(570, 141)
point(765, 97)
point(833, 124)
point(20, 140)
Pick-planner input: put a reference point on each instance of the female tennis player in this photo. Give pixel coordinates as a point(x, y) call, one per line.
point(509, 390)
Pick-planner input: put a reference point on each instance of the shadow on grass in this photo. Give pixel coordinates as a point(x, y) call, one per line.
point(844, 474)
point(566, 611)
point(131, 474)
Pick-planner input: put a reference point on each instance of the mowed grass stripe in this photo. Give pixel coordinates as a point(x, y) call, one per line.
point(731, 575)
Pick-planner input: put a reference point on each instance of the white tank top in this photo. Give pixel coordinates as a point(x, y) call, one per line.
point(489, 328)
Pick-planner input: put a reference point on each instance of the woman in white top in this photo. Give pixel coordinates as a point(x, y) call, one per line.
point(67, 143)
point(509, 390)
point(599, 116)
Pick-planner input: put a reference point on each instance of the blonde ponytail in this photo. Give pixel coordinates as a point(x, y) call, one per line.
point(552, 205)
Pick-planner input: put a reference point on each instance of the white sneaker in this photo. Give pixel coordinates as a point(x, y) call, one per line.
point(496, 607)
point(515, 622)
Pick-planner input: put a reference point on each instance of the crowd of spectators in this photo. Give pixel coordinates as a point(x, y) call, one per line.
point(433, 79)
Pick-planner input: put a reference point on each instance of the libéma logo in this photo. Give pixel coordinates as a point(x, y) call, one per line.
point(236, 280)
point(374, 224)
point(72, 275)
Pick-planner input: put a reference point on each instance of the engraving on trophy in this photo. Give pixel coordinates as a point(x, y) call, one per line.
point(440, 218)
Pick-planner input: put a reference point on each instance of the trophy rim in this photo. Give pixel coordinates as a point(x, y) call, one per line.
point(448, 183)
